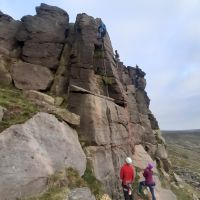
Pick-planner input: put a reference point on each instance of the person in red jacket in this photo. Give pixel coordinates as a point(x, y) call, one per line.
point(149, 182)
point(127, 175)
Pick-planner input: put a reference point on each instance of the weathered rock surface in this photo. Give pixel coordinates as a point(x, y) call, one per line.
point(31, 77)
point(141, 158)
point(46, 103)
point(45, 54)
point(30, 152)
point(49, 25)
point(8, 30)
point(43, 35)
point(39, 96)
point(116, 114)
point(81, 194)
point(66, 115)
point(5, 77)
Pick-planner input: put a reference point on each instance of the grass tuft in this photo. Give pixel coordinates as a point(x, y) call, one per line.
point(59, 185)
point(19, 109)
point(95, 185)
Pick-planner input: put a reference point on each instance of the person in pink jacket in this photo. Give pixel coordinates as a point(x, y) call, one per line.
point(149, 182)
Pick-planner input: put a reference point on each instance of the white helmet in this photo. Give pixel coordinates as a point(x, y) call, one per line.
point(128, 160)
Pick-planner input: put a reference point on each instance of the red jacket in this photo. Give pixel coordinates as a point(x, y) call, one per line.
point(127, 174)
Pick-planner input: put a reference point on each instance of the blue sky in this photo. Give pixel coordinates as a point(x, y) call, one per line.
point(162, 37)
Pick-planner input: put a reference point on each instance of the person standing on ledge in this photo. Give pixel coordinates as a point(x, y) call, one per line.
point(127, 175)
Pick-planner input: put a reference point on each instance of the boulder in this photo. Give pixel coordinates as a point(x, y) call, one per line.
point(66, 115)
point(39, 96)
point(49, 25)
point(46, 103)
point(59, 101)
point(81, 194)
point(32, 151)
point(31, 77)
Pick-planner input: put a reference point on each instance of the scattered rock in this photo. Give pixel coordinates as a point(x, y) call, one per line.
point(66, 115)
point(81, 194)
point(39, 96)
point(177, 178)
point(58, 101)
point(195, 197)
point(105, 197)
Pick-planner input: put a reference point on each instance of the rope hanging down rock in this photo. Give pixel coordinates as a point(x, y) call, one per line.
point(105, 69)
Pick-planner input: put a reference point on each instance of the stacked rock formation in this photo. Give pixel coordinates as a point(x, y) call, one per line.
point(46, 53)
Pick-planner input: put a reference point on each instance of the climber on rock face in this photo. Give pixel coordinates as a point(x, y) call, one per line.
point(127, 175)
point(102, 30)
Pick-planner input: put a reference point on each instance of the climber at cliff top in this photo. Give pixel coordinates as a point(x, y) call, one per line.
point(102, 30)
point(127, 175)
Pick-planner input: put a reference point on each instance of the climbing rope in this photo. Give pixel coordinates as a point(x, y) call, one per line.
point(104, 67)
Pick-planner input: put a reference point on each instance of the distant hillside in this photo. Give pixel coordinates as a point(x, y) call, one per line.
point(189, 139)
point(184, 152)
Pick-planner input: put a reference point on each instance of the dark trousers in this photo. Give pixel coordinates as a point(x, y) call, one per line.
point(151, 187)
point(126, 195)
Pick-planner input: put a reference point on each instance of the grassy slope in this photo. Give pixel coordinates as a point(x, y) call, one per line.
point(184, 149)
point(18, 108)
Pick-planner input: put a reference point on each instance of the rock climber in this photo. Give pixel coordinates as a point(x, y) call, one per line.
point(102, 30)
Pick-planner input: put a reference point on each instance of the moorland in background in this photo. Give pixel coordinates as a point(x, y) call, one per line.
point(184, 152)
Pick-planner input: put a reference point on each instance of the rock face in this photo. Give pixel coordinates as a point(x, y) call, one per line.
point(70, 61)
point(30, 152)
point(31, 77)
point(116, 114)
point(8, 29)
point(81, 194)
point(43, 36)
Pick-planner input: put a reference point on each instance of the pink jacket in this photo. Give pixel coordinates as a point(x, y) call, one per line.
point(148, 175)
